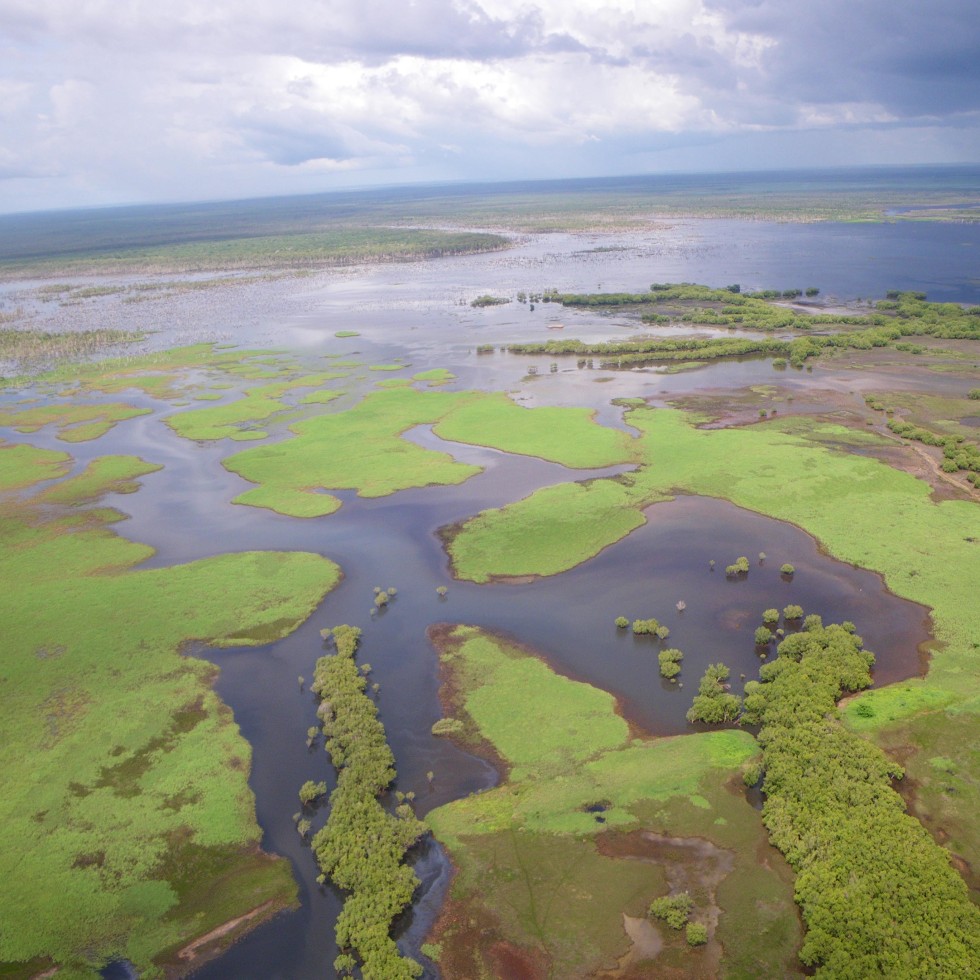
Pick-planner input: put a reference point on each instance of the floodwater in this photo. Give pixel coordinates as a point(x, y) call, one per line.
point(418, 312)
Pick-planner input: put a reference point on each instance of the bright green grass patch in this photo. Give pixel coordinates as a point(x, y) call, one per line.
point(155, 374)
point(435, 377)
point(322, 397)
point(346, 333)
point(359, 449)
point(235, 420)
point(571, 750)
point(106, 474)
point(23, 466)
point(75, 423)
point(125, 779)
point(226, 421)
point(568, 436)
point(536, 719)
point(861, 510)
point(393, 383)
point(548, 532)
point(387, 367)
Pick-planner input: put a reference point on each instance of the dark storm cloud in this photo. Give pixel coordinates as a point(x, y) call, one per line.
point(913, 58)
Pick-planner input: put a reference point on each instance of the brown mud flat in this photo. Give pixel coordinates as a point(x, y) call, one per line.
point(694, 865)
point(474, 946)
point(215, 942)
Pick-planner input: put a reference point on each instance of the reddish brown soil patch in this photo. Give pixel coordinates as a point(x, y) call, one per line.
point(474, 946)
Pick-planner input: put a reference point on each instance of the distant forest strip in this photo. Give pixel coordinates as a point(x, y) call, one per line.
point(336, 246)
point(858, 194)
point(899, 316)
point(879, 897)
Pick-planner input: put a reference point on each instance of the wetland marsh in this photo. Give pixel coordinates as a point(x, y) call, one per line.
point(387, 451)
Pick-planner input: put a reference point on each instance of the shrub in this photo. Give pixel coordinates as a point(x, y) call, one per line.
point(622, 622)
point(673, 909)
point(792, 611)
point(787, 569)
point(645, 627)
point(697, 934)
point(713, 704)
point(662, 632)
point(670, 661)
point(763, 636)
point(812, 622)
point(447, 726)
point(311, 791)
point(770, 616)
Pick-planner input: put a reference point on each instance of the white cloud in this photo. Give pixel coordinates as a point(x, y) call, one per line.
point(147, 100)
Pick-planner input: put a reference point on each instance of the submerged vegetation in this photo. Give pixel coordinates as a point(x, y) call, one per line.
point(362, 847)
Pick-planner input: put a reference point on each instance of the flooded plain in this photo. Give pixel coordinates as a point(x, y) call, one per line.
point(418, 313)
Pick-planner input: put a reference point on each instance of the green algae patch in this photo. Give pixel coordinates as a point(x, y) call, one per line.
point(553, 858)
point(129, 826)
point(24, 466)
point(74, 423)
point(106, 474)
point(387, 367)
point(568, 436)
point(341, 334)
point(393, 383)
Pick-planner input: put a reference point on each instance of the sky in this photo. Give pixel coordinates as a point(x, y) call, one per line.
point(120, 101)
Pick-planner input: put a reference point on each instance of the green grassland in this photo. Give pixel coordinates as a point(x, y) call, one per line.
point(74, 422)
point(860, 509)
point(106, 474)
point(362, 449)
point(129, 826)
point(563, 435)
point(238, 419)
point(531, 864)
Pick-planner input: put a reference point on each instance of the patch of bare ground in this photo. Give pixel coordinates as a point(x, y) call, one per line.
point(474, 946)
point(215, 942)
point(690, 864)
